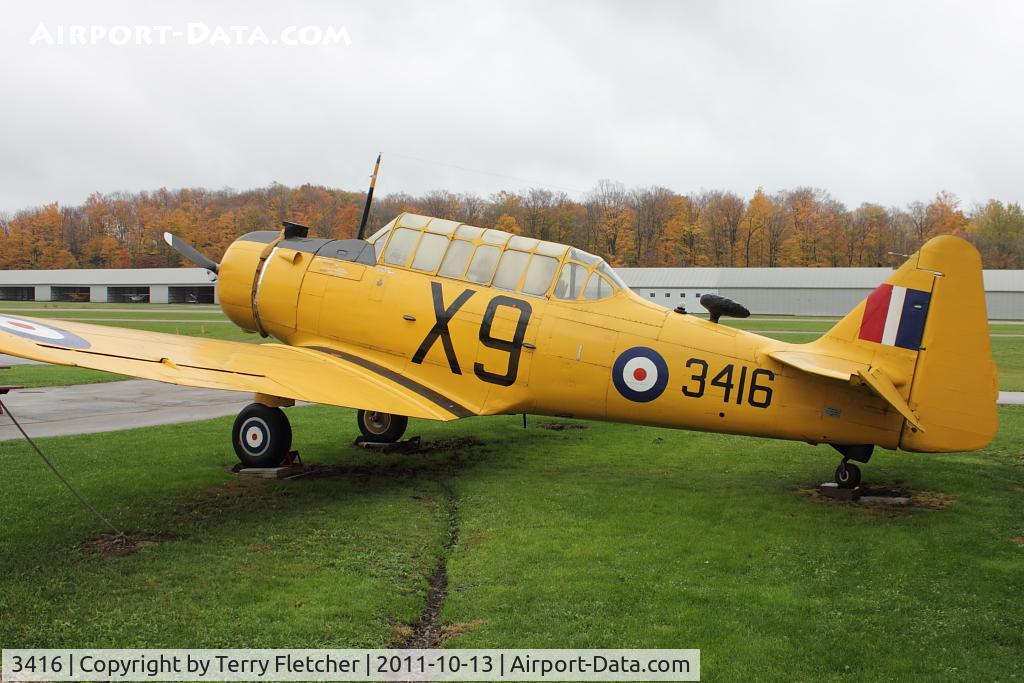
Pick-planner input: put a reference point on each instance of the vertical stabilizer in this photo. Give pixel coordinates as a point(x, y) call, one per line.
point(926, 329)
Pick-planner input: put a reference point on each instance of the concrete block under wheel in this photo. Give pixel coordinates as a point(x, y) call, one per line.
point(832, 490)
point(270, 472)
point(406, 446)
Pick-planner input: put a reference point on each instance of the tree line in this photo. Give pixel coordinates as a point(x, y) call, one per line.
point(646, 226)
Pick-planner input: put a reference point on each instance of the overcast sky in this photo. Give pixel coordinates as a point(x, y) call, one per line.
point(872, 101)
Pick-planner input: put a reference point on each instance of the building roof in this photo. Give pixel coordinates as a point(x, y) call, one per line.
point(788, 278)
point(855, 278)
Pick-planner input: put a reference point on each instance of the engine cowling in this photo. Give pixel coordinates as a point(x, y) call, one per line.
point(236, 280)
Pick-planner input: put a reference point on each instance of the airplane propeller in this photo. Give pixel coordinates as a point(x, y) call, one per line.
point(191, 253)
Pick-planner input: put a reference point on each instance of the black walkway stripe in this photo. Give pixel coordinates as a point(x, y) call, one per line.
point(158, 361)
point(438, 399)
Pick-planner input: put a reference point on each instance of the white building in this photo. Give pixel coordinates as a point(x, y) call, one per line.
point(122, 285)
point(799, 291)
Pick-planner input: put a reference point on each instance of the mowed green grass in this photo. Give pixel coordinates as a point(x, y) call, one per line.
point(605, 536)
point(254, 563)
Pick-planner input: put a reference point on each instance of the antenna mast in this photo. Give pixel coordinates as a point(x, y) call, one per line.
point(369, 200)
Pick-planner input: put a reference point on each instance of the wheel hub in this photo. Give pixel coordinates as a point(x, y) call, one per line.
point(377, 423)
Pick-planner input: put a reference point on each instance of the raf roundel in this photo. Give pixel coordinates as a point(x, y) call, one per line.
point(44, 334)
point(255, 437)
point(640, 374)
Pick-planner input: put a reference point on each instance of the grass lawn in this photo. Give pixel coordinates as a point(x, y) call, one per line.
point(1009, 355)
point(603, 536)
point(329, 561)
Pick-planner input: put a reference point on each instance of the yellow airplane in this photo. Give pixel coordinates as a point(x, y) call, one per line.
point(429, 318)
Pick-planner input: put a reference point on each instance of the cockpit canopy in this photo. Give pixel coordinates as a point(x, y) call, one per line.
point(493, 258)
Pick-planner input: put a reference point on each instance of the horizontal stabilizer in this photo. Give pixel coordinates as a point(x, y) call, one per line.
point(820, 364)
point(846, 370)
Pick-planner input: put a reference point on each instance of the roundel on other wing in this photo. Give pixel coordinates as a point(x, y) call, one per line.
point(640, 374)
point(43, 334)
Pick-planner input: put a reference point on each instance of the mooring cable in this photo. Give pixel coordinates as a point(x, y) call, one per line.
point(39, 451)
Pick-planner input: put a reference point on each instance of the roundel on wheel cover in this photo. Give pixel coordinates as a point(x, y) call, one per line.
point(254, 436)
point(640, 374)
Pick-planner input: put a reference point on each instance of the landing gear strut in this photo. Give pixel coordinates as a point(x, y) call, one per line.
point(848, 474)
point(381, 427)
point(261, 435)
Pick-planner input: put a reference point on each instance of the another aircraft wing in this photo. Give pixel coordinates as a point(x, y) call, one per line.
point(318, 375)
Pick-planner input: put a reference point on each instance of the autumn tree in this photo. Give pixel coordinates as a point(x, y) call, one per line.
point(508, 224)
point(868, 236)
point(35, 240)
point(653, 208)
point(721, 218)
point(649, 226)
point(759, 227)
point(683, 242)
point(998, 230)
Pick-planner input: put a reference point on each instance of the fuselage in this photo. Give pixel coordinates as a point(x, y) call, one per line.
point(614, 356)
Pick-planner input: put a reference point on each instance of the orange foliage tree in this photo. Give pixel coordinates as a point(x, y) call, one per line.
point(651, 226)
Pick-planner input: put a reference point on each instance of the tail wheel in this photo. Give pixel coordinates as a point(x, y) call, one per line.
point(847, 475)
point(262, 436)
point(381, 427)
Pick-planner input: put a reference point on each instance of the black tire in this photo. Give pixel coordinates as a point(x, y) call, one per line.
point(847, 475)
point(262, 436)
point(381, 427)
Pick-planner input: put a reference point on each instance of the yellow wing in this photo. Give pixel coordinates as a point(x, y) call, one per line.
point(315, 374)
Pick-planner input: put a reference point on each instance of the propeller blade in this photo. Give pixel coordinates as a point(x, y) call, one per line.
point(190, 252)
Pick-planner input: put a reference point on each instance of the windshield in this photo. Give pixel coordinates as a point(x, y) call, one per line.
point(383, 231)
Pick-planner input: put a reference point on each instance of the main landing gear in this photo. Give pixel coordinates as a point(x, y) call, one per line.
point(848, 474)
point(262, 435)
point(381, 427)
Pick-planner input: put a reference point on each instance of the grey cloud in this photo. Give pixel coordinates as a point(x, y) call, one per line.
point(873, 101)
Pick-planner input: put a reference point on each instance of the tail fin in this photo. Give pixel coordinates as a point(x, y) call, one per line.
point(926, 330)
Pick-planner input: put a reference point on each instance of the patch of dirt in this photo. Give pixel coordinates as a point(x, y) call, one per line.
point(459, 629)
point(415, 445)
point(427, 632)
point(931, 500)
point(119, 545)
point(401, 467)
point(1019, 540)
point(927, 500)
point(400, 634)
point(560, 426)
